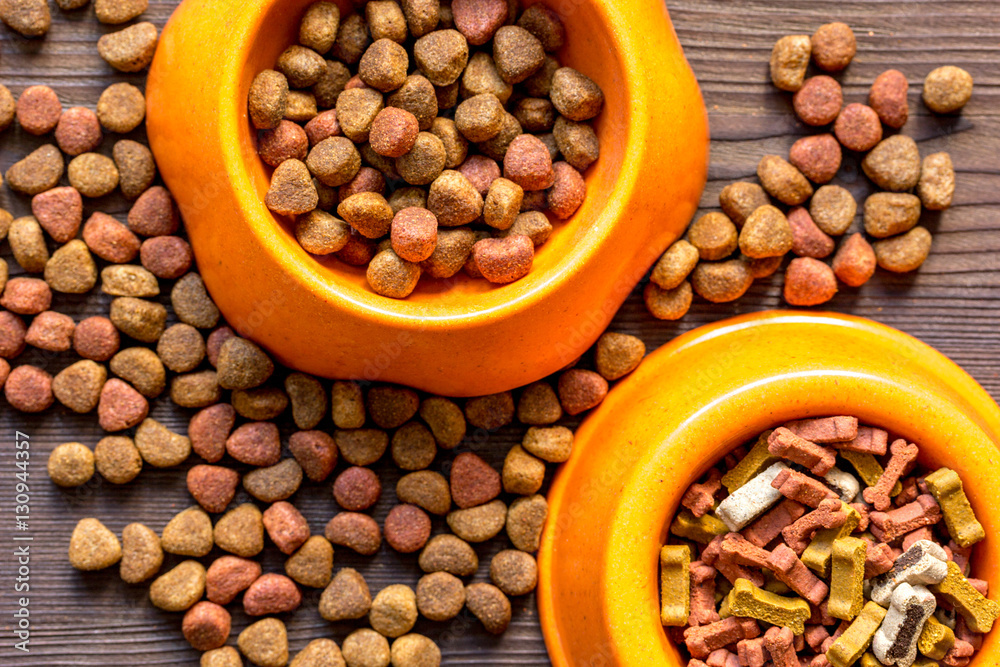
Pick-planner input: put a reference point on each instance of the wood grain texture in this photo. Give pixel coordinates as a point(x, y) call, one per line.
point(953, 303)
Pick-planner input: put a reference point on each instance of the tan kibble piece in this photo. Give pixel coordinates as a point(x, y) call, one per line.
point(517, 53)
point(30, 18)
point(445, 419)
point(833, 209)
point(809, 282)
point(240, 531)
point(525, 520)
point(618, 355)
point(385, 20)
point(93, 174)
point(538, 405)
point(27, 244)
point(478, 524)
point(347, 405)
point(71, 464)
point(440, 596)
point(936, 186)
point(242, 364)
point(195, 390)
point(312, 564)
point(37, 172)
point(181, 348)
point(854, 262)
point(274, 483)
point(320, 233)
point(301, 66)
point(159, 446)
point(676, 264)
point(523, 473)
point(668, 304)
point(308, 399)
point(394, 611)
point(714, 235)
point(291, 191)
point(421, 15)
point(392, 276)
point(489, 604)
point(766, 233)
point(8, 107)
point(480, 118)
point(533, 224)
point(417, 96)
point(424, 162)
point(496, 148)
point(140, 319)
point(130, 49)
point(363, 446)
point(833, 46)
point(721, 282)
point(319, 653)
point(142, 554)
point(456, 147)
point(426, 489)
point(226, 656)
point(260, 404)
point(384, 65)
point(319, 25)
point(192, 303)
point(117, 459)
point(268, 99)
point(265, 643)
point(347, 597)
point(448, 553)
point(301, 106)
point(413, 650)
point(947, 89)
point(413, 446)
point(115, 12)
point(789, 60)
point(141, 368)
point(904, 253)
point(514, 572)
point(366, 648)
point(93, 547)
point(334, 161)
point(783, 181)
point(441, 56)
point(189, 533)
point(78, 386)
point(553, 444)
point(481, 76)
point(180, 588)
point(891, 213)
point(575, 95)
point(368, 213)
point(894, 164)
point(128, 280)
point(454, 200)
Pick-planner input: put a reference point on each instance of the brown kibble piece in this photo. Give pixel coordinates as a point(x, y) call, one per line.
point(407, 528)
point(120, 406)
point(789, 60)
point(817, 157)
point(888, 98)
point(525, 519)
point(416, 95)
point(394, 611)
point(206, 626)
point(456, 147)
point(490, 412)
point(366, 648)
point(268, 99)
point(227, 656)
point(894, 164)
point(676, 264)
point(138, 318)
point(440, 596)
point(818, 101)
point(809, 282)
point(352, 39)
point(618, 355)
point(180, 588)
point(808, 240)
point(721, 282)
point(78, 386)
point(478, 524)
point(367, 212)
point(391, 406)
point(181, 348)
point(425, 161)
point(936, 186)
point(27, 244)
point(833, 209)
point(453, 199)
point(575, 95)
point(441, 56)
point(240, 531)
point(714, 235)
point(517, 53)
point(192, 303)
point(30, 18)
point(473, 481)
point(355, 531)
point(447, 553)
point(318, 28)
point(320, 233)
point(142, 554)
point(117, 459)
point(347, 405)
point(523, 473)
point(37, 172)
point(535, 114)
point(668, 304)
point(739, 200)
point(833, 46)
point(496, 148)
point(947, 89)
point(227, 576)
point(195, 390)
point(514, 572)
point(301, 66)
point(70, 464)
point(783, 181)
point(362, 446)
point(445, 419)
point(854, 262)
point(8, 107)
point(427, 490)
point(159, 446)
point(154, 213)
point(265, 643)
point(858, 127)
point(291, 191)
point(581, 390)
point(413, 446)
point(347, 597)
point(242, 364)
point(316, 453)
point(312, 564)
point(481, 76)
point(538, 405)
point(121, 108)
point(130, 49)
point(890, 213)
point(385, 20)
point(766, 233)
point(274, 483)
point(189, 533)
point(308, 399)
point(480, 117)
point(78, 131)
point(93, 547)
point(489, 604)
point(903, 253)
point(384, 65)
point(553, 444)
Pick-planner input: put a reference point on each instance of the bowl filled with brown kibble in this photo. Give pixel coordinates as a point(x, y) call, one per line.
point(400, 180)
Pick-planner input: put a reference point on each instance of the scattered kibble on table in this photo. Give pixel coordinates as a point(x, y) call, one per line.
point(823, 544)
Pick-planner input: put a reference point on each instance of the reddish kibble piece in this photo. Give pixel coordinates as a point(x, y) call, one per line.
point(473, 481)
point(38, 110)
point(504, 260)
point(366, 180)
point(315, 451)
point(567, 192)
point(96, 338)
point(51, 331)
point(357, 488)
point(109, 239)
point(154, 213)
point(854, 262)
point(227, 576)
point(528, 163)
point(285, 142)
point(286, 526)
point(817, 157)
point(167, 257)
point(214, 343)
point(808, 240)
point(580, 390)
point(481, 171)
point(809, 282)
point(414, 233)
point(255, 443)
point(26, 296)
point(120, 406)
point(271, 594)
point(209, 429)
point(28, 389)
point(78, 131)
point(4, 371)
point(59, 211)
point(394, 131)
point(206, 626)
point(818, 101)
point(478, 19)
point(12, 332)
point(323, 126)
point(888, 98)
point(407, 528)
point(858, 127)
point(358, 251)
point(212, 487)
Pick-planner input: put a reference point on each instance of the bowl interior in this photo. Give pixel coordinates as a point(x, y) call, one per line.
point(591, 47)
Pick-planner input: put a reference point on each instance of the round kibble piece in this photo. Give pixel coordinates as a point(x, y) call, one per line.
point(189, 533)
point(346, 597)
point(581, 390)
point(318, 28)
point(414, 234)
point(714, 235)
point(517, 53)
point(833, 46)
point(28, 389)
point(226, 656)
point(265, 643)
point(809, 282)
point(489, 604)
point(514, 572)
point(301, 66)
point(506, 259)
point(38, 110)
point(93, 547)
point(528, 163)
point(394, 132)
point(947, 89)
point(739, 200)
point(71, 464)
point(78, 131)
point(268, 99)
point(131, 49)
point(783, 181)
point(440, 596)
point(117, 459)
point(334, 161)
point(888, 98)
point(538, 405)
point(366, 648)
point(765, 234)
point(385, 20)
point(286, 141)
point(415, 650)
point(394, 611)
point(441, 56)
point(206, 626)
point(357, 488)
point(894, 164)
point(789, 60)
point(618, 355)
point(384, 65)
point(854, 262)
point(902, 253)
point(818, 101)
point(936, 186)
point(181, 348)
point(817, 157)
point(833, 209)
point(413, 446)
point(424, 162)
point(858, 127)
point(721, 282)
point(392, 276)
point(668, 304)
point(93, 174)
point(362, 446)
point(575, 95)
point(480, 118)
point(78, 386)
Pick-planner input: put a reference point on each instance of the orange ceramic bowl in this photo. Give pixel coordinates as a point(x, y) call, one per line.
point(462, 338)
point(691, 402)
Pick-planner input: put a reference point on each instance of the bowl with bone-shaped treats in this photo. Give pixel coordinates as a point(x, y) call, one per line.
point(805, 490)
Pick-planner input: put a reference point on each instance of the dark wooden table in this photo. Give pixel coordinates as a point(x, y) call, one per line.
point(953, 303)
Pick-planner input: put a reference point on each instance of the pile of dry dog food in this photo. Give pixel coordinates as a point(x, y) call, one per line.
point(411, 163)
point(805, 219)
point(832, 563)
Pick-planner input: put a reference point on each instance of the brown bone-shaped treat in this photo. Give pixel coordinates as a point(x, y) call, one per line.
point(736, 549)
point(829, 514)
point(791, 447)
point(878, 559)
point(702, 594)
point(903, 455)
point(802, 488)
point(780, 643)
point(825, 429)
point(704, 639)
point(700, 496)
point(793, 573)
point(768, 527)
point(887, 526)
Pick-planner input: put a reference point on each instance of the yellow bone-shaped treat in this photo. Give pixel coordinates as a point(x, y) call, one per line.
point(675, 585)
point(697, 529)
point(978, 611)
point(817, 554)
point(921, 661)
point(935, 639)
point(869, 469)
point(747, 600)
point(946, 487)
point(755, 462)
point(851, 645)
point(847, 583)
